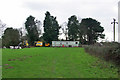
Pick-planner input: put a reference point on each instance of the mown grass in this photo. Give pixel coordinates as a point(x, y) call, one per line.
point(0, 64)
point(43, 62)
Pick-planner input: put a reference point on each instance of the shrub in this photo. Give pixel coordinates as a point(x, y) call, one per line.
point(110, 51)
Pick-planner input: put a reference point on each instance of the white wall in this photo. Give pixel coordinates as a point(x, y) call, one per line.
point(65, 43)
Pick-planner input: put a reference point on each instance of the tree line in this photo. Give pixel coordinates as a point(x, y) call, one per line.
point(88, 31)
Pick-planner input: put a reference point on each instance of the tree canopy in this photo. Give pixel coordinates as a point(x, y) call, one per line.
point(88, 31)
point(73, 25)
point(51, 28)
point(11, 37)
point(91, 30)
point(31, 28)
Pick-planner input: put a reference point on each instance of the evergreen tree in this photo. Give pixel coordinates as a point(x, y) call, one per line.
point(51, 28)
point(91, 30)
point(73, 30)
point(31, 28)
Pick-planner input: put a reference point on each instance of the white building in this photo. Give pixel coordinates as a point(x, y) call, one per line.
point(119, 21)
point(65, 43)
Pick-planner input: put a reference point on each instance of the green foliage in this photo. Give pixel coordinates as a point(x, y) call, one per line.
point(51, 28)
point(11, 37)
point(91, 30)
point(87, 32)
point(73, 30)
point(31, 28)
point(108, 51)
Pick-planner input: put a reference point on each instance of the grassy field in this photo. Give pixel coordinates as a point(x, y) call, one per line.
point(0, 64)
point(43, 62)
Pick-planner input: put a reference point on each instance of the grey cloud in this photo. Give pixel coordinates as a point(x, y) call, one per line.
point(36, 6)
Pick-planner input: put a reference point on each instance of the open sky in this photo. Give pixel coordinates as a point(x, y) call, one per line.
point(14, 12)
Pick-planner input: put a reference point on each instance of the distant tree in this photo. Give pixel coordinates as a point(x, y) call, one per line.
point(2, 28)
point(21, 33)
point(11, 37)
point(31, 28)
point(64, 30)
point(51, 28)
point(39, 27)
point(91, 30)
point(73, 30)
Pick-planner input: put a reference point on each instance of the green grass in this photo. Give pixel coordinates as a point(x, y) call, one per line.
point(0, 64)
point(44, 62)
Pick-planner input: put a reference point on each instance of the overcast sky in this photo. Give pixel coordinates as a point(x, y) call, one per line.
point(15, 12)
